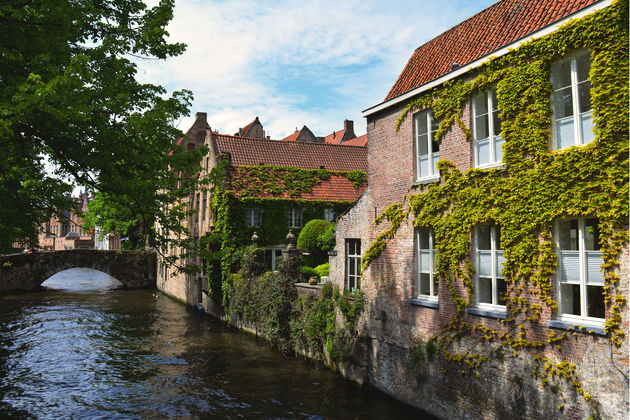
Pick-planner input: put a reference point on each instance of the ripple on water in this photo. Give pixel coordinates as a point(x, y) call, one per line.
point(138, 354)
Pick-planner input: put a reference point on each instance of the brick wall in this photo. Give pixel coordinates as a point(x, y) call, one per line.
point(394, 325)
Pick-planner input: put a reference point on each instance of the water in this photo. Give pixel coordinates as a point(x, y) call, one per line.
point(86, 350)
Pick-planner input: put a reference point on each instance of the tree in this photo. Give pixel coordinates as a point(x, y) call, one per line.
point(69, 95)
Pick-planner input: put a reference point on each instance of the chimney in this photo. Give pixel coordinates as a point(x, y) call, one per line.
point(348, 126)
point(201, 117)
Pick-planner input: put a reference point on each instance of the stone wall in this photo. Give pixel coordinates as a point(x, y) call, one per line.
point(23, 272)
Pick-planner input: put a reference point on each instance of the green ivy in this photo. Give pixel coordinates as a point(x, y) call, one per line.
point(235, 189)
point(535, 188)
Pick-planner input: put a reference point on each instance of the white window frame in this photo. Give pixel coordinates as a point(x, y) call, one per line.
point(582, 254)
point(578, 138)
point(496, 259)
point(431, 157)
point(425, 265)
point(253, 216)
point(275, 250)
point(353, 260)
point(295, 217)
point(330, 214)
point(493, 140)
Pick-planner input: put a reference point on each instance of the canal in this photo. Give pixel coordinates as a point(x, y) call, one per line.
point(84, 349)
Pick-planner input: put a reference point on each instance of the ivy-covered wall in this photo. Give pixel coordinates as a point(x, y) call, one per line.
point(534, 189)
point(273, 189)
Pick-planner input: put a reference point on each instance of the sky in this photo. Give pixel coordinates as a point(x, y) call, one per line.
point(296, 63)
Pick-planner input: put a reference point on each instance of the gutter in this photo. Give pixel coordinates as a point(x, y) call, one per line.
point(477, 63)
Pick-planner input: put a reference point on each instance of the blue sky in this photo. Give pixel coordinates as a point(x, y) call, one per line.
point(295, 63)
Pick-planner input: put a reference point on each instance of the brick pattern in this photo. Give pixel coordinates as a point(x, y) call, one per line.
point(393, 324)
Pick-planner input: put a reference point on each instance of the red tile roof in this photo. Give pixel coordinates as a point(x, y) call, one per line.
point(499, 25)
point(335, 188)
point(293, 136)
point(248, 151)
point(335, 137)
point(357, 141)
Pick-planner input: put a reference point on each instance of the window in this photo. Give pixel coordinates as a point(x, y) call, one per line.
point(426, 148)
point(253, 216)
point(273, 255)
point(580, 280)
point(204, 205)
point(490, 288)
point(295, 217)
point(330, 214)
point(488, 144)
point(353, 264)
point(571, 93)
point(425, 259)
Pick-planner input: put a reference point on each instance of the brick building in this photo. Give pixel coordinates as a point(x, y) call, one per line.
point(345, 136)
point(63, 230)
point(498, 277)
point(268, 187)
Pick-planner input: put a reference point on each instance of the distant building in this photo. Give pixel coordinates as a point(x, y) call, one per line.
point(261, 195)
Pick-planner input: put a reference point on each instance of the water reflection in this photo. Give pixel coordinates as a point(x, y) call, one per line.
point(139, 354)
point(81, 280)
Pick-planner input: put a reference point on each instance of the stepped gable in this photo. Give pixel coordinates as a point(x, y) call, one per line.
point(499, 25)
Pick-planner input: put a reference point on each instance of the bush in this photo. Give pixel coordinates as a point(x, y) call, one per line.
point(308, 272)
point(322, 270)
point(253, 261)
point(309, 239)
point(326, 241)
point(327, 290)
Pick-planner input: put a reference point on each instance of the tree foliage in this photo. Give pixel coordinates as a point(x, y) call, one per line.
point(70, 97)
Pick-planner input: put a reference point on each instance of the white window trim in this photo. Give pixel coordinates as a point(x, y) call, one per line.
point(295, 217)
point(577, 132)
point(576, 319)
point(432, 159)
point(274, 259)
point(433, 294)
point(494, 257)
point(250, 216)
point(330, 214)
point(491, 137)
point(352, 257)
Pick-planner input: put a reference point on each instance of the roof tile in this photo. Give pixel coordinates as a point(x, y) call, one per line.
point(499, 25)
point(333, 157)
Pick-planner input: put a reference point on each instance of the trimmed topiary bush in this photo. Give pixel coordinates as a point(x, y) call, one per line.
point(308, 240)
point(322, 270)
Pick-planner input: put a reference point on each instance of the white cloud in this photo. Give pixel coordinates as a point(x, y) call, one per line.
point(294, 63)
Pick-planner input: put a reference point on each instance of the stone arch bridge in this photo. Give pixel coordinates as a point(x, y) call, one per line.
point(23, 272)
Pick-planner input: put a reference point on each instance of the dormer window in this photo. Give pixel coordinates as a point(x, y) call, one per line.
point(572, 111)
point(427, 149)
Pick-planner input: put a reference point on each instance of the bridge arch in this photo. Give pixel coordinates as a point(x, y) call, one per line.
point(23, 272)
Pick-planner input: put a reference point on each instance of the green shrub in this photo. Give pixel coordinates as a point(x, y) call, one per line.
point(308, 241)
point(322, 270)
point(308, 272)
point(326, 241)
point(253, 261)
point(327, 290)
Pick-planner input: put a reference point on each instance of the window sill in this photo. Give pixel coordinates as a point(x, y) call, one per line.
point(489, 313)
point(577, 326)
point(428, 180)
point(499, 165)
point(425, 302)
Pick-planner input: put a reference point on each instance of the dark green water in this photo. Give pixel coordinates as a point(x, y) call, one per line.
point(93, 352)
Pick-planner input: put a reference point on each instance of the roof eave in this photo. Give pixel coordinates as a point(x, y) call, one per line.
point(477, 63)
